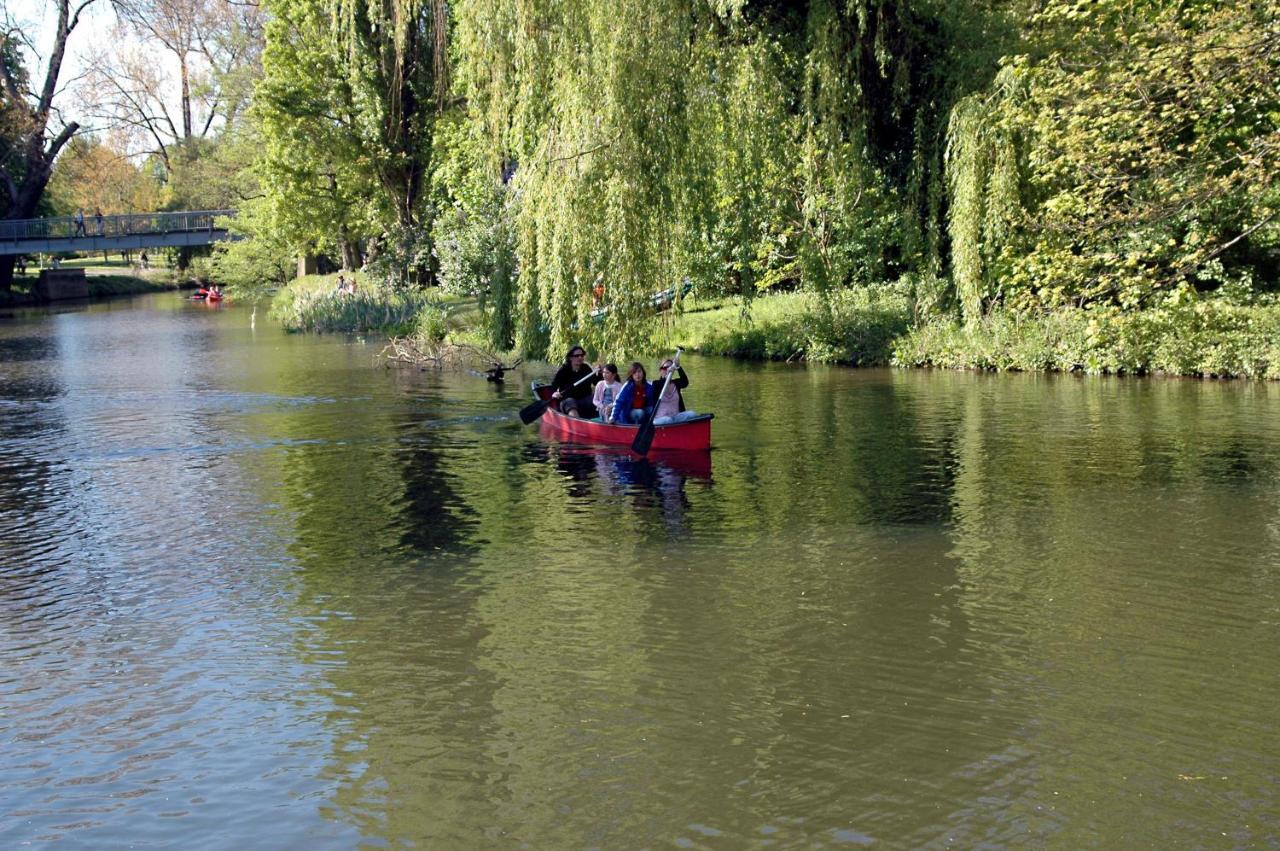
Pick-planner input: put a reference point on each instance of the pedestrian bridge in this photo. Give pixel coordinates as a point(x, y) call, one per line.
point(130, 231)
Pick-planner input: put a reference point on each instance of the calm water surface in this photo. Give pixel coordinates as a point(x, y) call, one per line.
point(257, 592)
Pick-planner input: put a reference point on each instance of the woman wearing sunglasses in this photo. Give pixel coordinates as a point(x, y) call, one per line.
point(571, 393)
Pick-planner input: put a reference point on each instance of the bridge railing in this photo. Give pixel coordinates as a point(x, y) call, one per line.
point(127, 224)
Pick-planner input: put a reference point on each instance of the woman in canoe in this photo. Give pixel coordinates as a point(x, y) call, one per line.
point(571, 397)
point(671, 404)
point(635, 399)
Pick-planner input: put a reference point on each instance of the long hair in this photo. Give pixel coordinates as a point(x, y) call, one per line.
point(636, 366)
point(568, 356)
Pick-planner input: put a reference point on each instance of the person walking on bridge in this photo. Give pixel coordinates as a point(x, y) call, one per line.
point(97, 219)
point(79, 220)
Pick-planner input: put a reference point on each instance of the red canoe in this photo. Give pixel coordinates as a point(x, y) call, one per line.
point(691, 435)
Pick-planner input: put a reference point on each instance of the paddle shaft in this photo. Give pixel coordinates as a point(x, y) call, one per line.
point(644, 437)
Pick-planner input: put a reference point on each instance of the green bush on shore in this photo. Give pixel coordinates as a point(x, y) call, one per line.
point(328, 311)
point(1199, 338)
point(856, 326)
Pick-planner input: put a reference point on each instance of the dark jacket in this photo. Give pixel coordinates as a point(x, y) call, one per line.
point(679, 379)
point(567, 376)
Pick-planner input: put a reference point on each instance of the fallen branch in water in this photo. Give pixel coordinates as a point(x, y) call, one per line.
point(405, 351)
point(410, 351)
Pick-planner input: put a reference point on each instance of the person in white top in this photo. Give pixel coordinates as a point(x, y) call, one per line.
point(607, 391)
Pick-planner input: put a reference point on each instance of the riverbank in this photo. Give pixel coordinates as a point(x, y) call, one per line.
point(1186, 337)
point(104, 279)
point(871, 326)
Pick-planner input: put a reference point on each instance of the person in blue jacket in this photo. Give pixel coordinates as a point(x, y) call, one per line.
point(635, 399)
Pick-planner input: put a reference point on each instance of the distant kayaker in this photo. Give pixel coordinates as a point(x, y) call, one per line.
point(671, 404)
point(632, 405)
point(607, 391)
point(572, 398)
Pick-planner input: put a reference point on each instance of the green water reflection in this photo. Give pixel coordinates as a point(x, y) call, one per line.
point(902, 608)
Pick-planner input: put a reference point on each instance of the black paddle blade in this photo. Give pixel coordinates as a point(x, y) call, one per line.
point(529, 413)
point(644, 438)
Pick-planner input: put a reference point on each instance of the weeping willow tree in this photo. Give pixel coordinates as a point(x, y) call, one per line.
point(737, 145)
point(982, 159)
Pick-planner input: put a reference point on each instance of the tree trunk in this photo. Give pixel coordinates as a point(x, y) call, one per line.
point(348, 249)
point(23, 206)
point(186, 99)
point(37, 159)
point(6, 272)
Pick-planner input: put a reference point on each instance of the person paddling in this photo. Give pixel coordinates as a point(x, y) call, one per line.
point(671, 406)
point(571, 388)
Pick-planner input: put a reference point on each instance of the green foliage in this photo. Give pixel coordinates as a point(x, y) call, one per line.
point(249, 268)
point(1181, 337)
point(400, 254)
point(739, 147)
point(1007, 160)
point(431, 325)
point(327, 311)
point(857, 326)
point(1134, 143)
point(346, 112)
point(212, 174)
point(983, 176)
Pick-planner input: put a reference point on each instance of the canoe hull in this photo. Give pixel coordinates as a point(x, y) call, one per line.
point(689, 436)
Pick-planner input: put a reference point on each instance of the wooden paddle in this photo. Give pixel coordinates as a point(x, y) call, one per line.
point(529, 413)
point(644, 437)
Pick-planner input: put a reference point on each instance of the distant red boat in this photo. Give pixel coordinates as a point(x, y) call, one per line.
point(691, 435)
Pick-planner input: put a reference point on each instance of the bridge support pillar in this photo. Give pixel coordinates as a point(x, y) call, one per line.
point(57, 284)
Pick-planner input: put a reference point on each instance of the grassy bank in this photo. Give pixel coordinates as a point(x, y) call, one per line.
point(869, 326)
point(312, 303)
point(1191, 337)
point(852, 327)
point(1202, 338)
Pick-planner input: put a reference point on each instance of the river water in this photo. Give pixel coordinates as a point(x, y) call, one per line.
point(256, 591)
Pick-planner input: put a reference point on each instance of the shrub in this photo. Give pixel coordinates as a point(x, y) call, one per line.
point(1181, 337)
point(431, 324)
point(329, 311)
point(854, 326)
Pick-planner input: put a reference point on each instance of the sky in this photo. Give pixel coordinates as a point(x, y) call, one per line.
point(39, 19)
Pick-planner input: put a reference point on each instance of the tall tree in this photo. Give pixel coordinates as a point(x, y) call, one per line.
point(347, 106)
point(213, 50)
point(738, 144)
point(95, 174)
point(34, 144)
